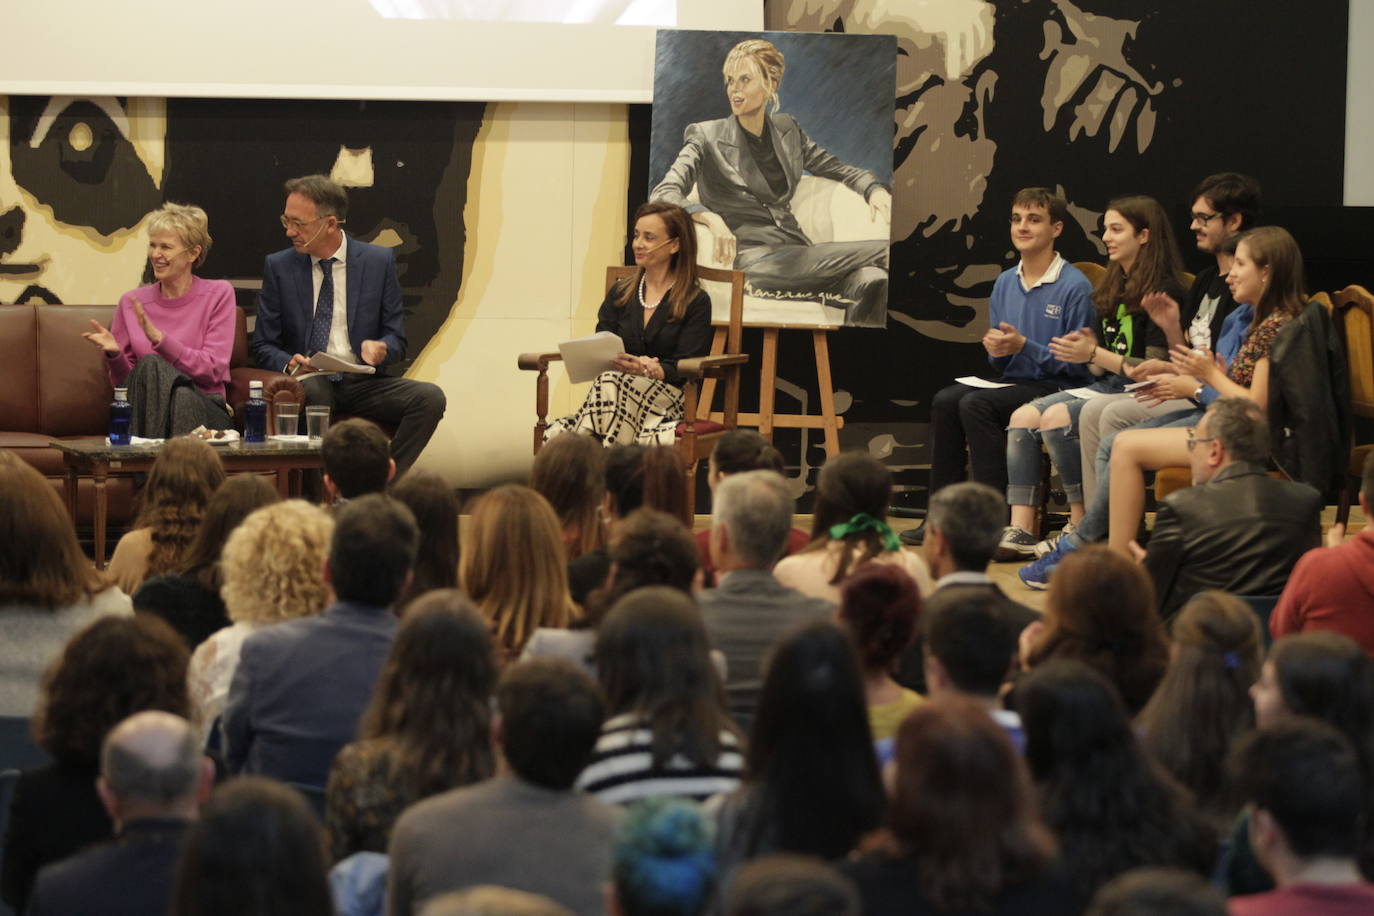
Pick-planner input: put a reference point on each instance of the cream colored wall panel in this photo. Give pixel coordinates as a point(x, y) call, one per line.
point(545, 216)
point(486, 436)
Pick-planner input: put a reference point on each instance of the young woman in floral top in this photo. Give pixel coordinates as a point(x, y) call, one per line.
point(1268, 273)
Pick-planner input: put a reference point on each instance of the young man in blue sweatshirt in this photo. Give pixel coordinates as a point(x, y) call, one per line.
point(1042, 297)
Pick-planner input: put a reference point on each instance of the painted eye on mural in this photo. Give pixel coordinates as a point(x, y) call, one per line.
point(75, 156)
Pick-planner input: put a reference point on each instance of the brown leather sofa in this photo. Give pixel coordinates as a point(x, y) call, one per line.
point(53, 385)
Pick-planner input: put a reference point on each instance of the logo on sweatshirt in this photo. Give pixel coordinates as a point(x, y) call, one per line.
point(1053, 311)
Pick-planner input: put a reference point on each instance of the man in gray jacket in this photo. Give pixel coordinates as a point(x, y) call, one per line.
point(750, 610)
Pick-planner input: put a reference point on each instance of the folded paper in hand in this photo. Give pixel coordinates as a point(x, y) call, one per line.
point(327, 365)
point(587, 357)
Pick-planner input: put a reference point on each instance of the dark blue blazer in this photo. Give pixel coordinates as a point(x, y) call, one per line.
point(300, 688)
point(286, 305)
point(131, 875)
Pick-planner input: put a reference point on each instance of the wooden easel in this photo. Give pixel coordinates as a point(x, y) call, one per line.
point(766, 420)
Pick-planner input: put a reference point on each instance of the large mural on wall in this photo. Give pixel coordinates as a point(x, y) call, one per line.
point(83, 173)
point(1097, 98)
point(779, 145)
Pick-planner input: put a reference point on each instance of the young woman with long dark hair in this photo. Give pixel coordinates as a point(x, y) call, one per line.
point(427, 729)
point(667, 732)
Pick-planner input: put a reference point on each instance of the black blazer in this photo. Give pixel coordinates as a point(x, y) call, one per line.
point(670, 341)
point(55, 813)
point(1241, 532)
point(131, 875)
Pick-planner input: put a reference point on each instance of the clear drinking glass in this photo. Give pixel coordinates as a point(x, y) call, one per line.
point(316, 421)
point(288, 417)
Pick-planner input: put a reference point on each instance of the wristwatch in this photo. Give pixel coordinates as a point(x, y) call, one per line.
point(1197, 395)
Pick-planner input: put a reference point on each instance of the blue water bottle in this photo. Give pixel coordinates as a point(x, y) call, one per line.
point(255, 415)
point(121, 417)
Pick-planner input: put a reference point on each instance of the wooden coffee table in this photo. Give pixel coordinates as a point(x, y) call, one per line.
point(94, 456)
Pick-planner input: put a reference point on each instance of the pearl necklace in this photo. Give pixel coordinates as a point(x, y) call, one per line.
point(642, 304)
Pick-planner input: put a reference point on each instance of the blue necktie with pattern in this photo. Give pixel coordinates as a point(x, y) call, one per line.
point(324, 313)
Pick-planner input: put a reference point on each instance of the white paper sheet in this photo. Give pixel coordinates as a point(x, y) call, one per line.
point(974, 381)
point(1082, 392)
point(587, 357)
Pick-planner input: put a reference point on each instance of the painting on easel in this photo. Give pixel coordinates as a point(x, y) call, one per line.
point(779, 144)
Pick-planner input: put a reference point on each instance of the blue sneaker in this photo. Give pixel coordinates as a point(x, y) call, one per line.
point(1037, 575)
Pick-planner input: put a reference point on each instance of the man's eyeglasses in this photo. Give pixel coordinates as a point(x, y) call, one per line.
point(288, 222)
point(1205, 218)
point(1194, 440)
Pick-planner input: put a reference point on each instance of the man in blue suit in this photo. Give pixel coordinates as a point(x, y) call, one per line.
point(333, 294)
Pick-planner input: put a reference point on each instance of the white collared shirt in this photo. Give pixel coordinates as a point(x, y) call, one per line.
point(338, 327)
point(1050, 275)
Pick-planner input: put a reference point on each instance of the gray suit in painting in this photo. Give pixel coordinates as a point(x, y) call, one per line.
point(772, 249)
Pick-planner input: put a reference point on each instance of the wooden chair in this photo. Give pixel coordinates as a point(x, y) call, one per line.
point(697, 433)
point(1354, 308)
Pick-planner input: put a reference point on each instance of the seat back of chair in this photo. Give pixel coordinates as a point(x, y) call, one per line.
point(1092, 270)
point(1355, 316)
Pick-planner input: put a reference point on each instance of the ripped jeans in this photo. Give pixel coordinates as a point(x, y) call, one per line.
point(1023, 452)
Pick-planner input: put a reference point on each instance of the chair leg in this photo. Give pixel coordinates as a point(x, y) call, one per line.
point(691, 493)
point(1343, 507)
point(1042, 496)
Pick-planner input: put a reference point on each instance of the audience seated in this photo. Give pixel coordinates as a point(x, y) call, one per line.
point(970, 648)
point(570, 472)
point(1224, 205)
point(189, 599)
point(1111, 805)
point(301, 686)
point(356, 457)
point(185, 475)
point(48, 589)
point(962, 834)
point(666, 730)
point(152, 780)
point(1333, 588)
point(1303, 781)
point(1041, 298)
point(650, 548)
point(271, 572)
point(1101, 610)
point(427, 729)
point(749, 610)
point(525, 828)
point(736, 452)
point(1202, 706)
point(1157, 892)
point(961, 533)
point(1324, 676)
point(1236, 529)
point(513, 567)
point(115, 667)
point(435, 507)
point(1266, 277)
point(1142, 262)
point(849, 528)
point(256, 849)
point(879, 607)
point(811, 709)
point(663, 864)
point(649, 476)
point(490, 900)
point(790, 885)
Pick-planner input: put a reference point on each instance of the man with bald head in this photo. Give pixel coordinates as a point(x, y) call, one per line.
point(152, 779)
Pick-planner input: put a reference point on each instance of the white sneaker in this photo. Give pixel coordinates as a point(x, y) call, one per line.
point(1017, 544)
point(1047, 546)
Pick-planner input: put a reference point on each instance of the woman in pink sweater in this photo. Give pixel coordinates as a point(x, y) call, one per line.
point(170, 342)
